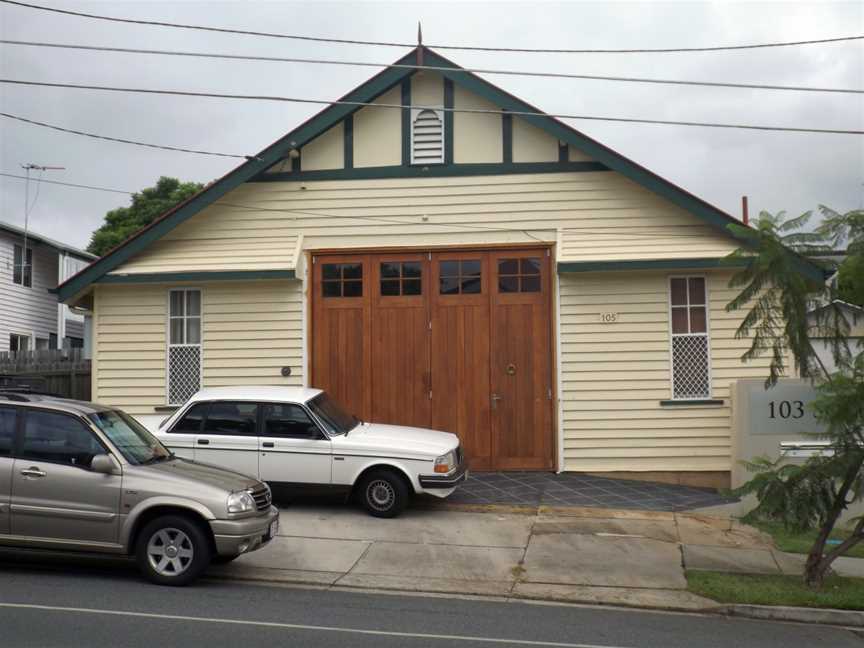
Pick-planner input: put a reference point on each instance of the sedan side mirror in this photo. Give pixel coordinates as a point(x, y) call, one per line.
point(104, 464)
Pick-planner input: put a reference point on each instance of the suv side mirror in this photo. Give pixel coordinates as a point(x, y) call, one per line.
point(104, 464)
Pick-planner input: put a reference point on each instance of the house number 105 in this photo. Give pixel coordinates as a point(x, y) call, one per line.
point(786, 409)
point(608, 318)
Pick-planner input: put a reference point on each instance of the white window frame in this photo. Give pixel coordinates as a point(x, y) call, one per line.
point(30, 336)
point(439, 112)
point(169, 345)
point(706, 334)
point(24, 264)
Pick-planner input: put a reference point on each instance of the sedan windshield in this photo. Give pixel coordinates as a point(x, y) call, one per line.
point(334, 418)
point(134, 442)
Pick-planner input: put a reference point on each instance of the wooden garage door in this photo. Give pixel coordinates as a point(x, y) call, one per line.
point(457, 341)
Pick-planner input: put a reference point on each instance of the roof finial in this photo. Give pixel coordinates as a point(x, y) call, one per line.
point(419, 43)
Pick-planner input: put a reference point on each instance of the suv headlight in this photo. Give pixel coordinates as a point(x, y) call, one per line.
point(240, 502)
point(445, 463)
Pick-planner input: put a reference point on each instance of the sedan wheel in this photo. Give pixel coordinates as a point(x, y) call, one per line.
point(384, 493)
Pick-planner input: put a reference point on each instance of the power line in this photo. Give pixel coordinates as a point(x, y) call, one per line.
point(430, 68)
point(345, 41)
point(70, 184)
point(122, 141)
point(630, 120)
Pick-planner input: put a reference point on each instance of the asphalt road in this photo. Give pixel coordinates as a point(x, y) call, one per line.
point(48, 602)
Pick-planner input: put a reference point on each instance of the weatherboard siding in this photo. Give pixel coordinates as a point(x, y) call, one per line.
point(222, 238)
point(24, 310)
point(250, 331)
point(613, 376)
point(603, 215)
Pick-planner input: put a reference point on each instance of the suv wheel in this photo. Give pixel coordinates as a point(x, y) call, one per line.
point(172, 550)
point(384, 493)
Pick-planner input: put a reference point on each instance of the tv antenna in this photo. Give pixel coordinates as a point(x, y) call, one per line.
point(28, 207)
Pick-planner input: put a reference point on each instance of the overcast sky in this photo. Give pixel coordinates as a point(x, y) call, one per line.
point(778, 171)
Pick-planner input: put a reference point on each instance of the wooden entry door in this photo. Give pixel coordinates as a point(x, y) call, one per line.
point(460, 352)
point(521, 362)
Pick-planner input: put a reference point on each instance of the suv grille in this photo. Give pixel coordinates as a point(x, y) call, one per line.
point(262, 497)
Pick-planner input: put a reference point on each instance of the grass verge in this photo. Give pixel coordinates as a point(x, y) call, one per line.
point(764, 589)
point(801, 542)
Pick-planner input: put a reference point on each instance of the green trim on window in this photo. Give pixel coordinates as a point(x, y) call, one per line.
point(434, 171)
point(448, 121)
point(406, 121)
point(348, 133)
point(218, 275)
point(684, 403)
point(507, 138)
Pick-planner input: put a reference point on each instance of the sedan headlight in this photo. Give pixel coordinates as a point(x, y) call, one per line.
point(445, 463)
point(240, 502)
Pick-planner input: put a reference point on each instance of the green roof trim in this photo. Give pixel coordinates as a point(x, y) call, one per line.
point(646, 264)
point(701, 263)
point(432, 171)
point(216, 275)
point(368, 91)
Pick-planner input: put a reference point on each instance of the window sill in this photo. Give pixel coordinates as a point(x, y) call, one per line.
point(715, 402)
point(166, 408)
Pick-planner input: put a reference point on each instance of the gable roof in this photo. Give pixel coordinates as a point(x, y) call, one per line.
point(366, 92)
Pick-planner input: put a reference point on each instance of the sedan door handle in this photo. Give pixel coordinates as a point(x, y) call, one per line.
point(203, 441)
point(33, 471)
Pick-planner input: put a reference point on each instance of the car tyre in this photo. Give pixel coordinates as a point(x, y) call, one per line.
point(384, 493)
point(173, 550)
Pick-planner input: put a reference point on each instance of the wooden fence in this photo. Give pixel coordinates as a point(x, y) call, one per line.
point(62, 372)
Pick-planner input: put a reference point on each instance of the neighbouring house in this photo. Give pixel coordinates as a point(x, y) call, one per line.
point(499, 275)
point(854, 316)
point(30, 317)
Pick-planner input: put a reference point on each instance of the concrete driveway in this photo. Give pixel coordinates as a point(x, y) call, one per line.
point(588, 555)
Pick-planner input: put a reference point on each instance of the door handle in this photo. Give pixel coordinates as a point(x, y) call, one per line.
point(203, 441)
point(267, 444)
point(495, 399)
point(33, 471)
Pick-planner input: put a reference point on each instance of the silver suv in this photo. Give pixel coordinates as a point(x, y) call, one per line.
point(82, 477)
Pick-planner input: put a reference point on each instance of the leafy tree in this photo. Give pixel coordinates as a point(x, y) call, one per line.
point(147, 205)
point(813, 494)
point(850, 286)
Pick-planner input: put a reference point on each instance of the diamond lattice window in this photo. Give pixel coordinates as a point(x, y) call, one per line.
point(691, 365)
point(184, 345)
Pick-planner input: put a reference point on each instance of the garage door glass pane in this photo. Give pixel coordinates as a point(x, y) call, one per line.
point(411, 287)
point(342, 280)
point(390, 287)
point(352, 289)
point(411, 269)
point(390, 270)
point(530, 284)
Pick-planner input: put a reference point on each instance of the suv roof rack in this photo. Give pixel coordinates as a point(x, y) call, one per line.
point(21, 397)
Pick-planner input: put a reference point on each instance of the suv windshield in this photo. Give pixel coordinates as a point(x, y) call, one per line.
point(134, 442)
point(334, 418)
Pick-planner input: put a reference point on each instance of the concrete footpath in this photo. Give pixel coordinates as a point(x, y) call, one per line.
point(596, 556)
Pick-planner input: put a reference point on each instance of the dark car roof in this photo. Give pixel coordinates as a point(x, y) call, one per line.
point(50, 402)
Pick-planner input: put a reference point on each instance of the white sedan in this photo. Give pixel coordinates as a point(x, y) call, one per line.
point(299, 439)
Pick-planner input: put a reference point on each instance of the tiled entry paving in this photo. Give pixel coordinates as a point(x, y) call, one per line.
point(577, 489)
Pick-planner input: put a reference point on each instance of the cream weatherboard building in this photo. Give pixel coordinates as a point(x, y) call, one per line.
point(491, 273)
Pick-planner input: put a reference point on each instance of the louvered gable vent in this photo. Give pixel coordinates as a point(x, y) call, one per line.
point(427, 137)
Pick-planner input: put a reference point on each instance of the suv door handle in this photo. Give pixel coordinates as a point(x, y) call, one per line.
point(33, 471)
point(203, 441)
point(268, 444)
